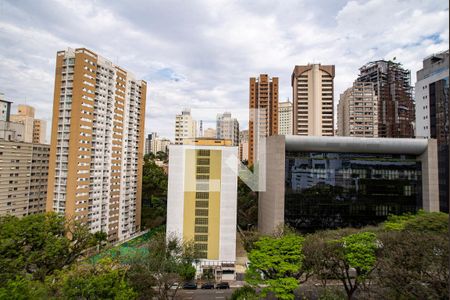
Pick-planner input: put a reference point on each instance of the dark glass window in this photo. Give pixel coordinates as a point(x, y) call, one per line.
point(330, 190)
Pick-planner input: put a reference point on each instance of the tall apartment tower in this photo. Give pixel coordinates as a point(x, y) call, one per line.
point(285, 118)
point(392, 85)
point(433, 115)
point(97, 143)
point(313, 91)
point(202, 201)
point(243, 145)
point(263, 119)
point(185, 127)
point(358, 111)
point(228, 128)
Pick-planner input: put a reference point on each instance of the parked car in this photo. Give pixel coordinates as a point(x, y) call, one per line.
point(207, 286)
point(223, 285)
point(189, 286)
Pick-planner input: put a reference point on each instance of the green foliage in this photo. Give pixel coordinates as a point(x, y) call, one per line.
point(105, 280)
point(40, 244)
point(413, 265)
point(277, 263)
point(422, 221)
point(244, 293)
point(23, 289)
point(154, 193)
point(162, 266)
point(359, 251)
point(187, 272)
point(247, 206)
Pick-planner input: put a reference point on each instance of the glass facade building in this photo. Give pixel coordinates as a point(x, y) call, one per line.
point(329, 190)
point(315, 183)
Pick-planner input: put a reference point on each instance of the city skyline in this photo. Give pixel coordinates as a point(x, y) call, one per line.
point(208, 65)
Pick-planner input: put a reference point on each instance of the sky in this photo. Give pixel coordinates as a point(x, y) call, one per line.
point(201, 54)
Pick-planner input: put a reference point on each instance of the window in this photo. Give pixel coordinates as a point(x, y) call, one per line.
point(202, 195)
point(203, 204)
point(201, 212)
point(201, 229)
point(201, 221)
point(201, 238)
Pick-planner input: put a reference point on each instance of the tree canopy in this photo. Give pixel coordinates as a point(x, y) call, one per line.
point(39, 244)
point(276, 262)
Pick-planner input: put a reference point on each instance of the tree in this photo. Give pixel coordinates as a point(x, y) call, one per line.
point(154, 194)
point(103, 280)
point(164, 265)
point(247, 206)
point(413, 262)
point(276, 262)
point(338, 254)
point(23, 288)
point(40, 244)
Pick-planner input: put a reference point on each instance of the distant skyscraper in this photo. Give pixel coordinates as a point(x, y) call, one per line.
point(228, 128)
point(95, 173)
point(185, 127)
point(313, 92)
point(285, 118)
point(148, 142)
point(34, 129)
point(39, 131)
point(25, 116)
point(432, 114)
point(209, 133)
point(263, 106)
point(243, 145)
point(392, 85)
point(358, 111)
point(202, 200)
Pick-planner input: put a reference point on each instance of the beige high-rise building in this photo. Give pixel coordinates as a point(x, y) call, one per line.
point(263, 104)
point(185, 127)
point(358, 111)
point(285, 118)
point(312, 87)
point(228, 128)
point(25, 116)
point(39, 131)
point(23, 177)
point(243, 145)
point(210, 133)
point(34, 129)
point(97, 143)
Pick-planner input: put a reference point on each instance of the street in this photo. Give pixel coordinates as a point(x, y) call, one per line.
point(200, 294)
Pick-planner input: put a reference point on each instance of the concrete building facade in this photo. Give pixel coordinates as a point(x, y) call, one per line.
point(227, 128)
point(313, 96)
point(243, 145)
point(185, 127)
point(23, 177)
point(202, 199)
point(285, 118)
point(5, 108)
point(432, 114)
point(97, 143)
point(263, 119)
point(358, 111)
point(318, 183)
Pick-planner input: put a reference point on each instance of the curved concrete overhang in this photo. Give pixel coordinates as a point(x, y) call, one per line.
point(355, 144)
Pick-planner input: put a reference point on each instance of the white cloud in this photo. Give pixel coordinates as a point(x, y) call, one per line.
point(200, 54)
